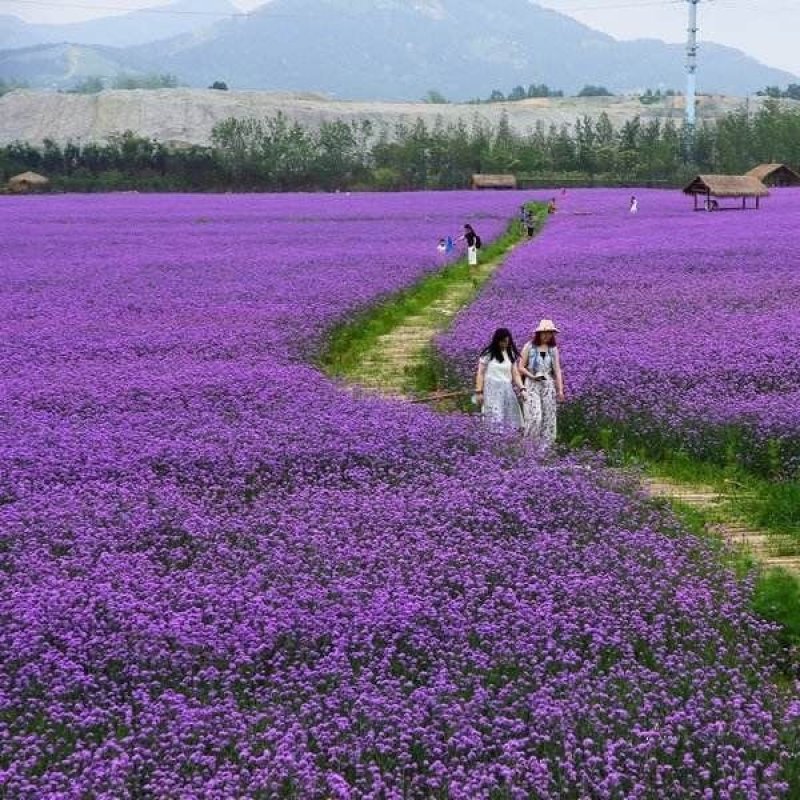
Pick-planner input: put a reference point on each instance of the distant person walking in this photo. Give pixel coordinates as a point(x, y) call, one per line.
point(634, 206)
point(473, 242)
point(497, 379)
point(530, 223)
point(540, 366)
point(551, 206)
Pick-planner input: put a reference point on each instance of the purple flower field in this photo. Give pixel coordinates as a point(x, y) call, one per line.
point(682, 326)
point(223, 576)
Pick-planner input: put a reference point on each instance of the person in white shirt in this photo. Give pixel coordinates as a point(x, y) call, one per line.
point(498, 382)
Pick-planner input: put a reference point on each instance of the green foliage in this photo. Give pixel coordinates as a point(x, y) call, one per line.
point(435, 97)
point(594, 91)
point(520, 93)
point(152, 81)
point(89, 85)
point(792, 92)
point(7, 86)
point(777, 598)
point(649, 96)
point(774, 506)
point(543, 90)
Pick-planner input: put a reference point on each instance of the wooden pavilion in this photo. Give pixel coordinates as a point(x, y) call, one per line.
point(28, 182)
point(717, 187)
point(775, 175)
point(486, 181)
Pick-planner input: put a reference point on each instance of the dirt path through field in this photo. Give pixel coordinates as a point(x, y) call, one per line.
point(762, 545)
point(388, 366)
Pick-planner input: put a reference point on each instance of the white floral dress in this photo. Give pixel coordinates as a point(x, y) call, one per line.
point(540, 403)
point(500, 405)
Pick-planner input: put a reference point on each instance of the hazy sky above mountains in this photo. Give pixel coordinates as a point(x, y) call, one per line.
point(765, 29)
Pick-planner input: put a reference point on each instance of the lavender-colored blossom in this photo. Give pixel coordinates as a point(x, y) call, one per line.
point(224, 576)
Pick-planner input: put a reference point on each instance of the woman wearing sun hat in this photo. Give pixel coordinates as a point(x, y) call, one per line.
point(540, 366)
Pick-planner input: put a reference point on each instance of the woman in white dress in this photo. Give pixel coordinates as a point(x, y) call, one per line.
point(540, 366)
point(497, 379)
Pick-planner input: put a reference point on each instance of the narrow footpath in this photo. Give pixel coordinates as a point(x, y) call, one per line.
point(391, 363)
point(761, 545)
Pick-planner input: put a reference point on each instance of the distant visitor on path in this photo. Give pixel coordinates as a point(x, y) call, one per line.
point(540, 366)
point(634, 206)
point(530, 223)
point(473, 244)
point(551, 206)
point(498, 381)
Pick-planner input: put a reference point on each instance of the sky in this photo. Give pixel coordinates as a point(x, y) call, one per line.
point(765, 29)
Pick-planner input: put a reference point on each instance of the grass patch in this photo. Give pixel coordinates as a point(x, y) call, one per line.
point(771, 507)
point(777, 598)
point(747, 496)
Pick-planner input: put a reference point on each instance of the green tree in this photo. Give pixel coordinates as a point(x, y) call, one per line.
point(150, 81)
point(594, 91)
point(339, 159)
point(734, 147)
point(434, 97)
point(586, 145)
point(92, 84)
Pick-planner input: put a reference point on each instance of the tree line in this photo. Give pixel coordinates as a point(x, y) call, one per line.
point(277, 154)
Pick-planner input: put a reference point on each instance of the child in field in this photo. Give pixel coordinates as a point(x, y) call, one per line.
point(634, 206)
point(540, 366)
point(446, 246)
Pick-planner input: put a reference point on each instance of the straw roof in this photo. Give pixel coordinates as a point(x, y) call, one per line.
point(27, 180)
point(485, 181)
point(727, 186)
point(779, 172)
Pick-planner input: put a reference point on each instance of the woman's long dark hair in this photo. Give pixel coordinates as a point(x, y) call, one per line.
point(493, 350)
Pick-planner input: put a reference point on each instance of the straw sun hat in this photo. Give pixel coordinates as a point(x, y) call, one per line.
point(546, 325)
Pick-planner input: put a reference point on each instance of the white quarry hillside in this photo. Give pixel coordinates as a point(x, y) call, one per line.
point(187, 116)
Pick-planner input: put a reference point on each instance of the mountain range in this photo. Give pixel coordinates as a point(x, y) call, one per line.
point(368, 49)
point(121, 30)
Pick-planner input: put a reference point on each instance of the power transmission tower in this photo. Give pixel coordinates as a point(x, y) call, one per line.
point(691, 68)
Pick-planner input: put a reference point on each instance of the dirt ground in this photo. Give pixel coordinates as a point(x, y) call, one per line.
point(187, 116)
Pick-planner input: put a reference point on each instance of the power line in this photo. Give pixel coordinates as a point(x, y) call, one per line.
point(609, 6)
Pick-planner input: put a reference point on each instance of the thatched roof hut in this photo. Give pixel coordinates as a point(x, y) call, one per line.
point(775, 175)
point(484, 181)
point(28, 182)
point(725, 186)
